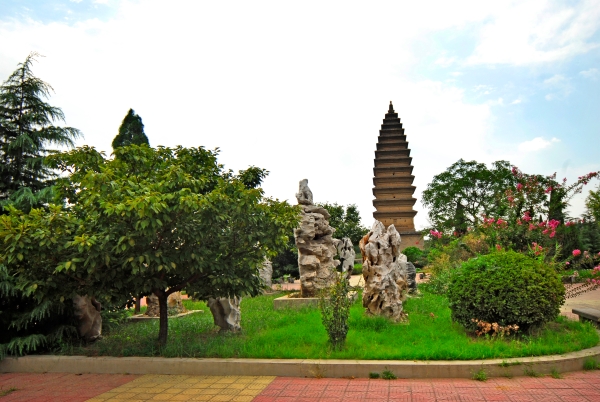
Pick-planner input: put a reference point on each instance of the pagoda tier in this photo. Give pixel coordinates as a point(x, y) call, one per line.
point(393, 180)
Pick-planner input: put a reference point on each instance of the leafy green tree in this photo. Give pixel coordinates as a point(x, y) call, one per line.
point(458, 197)
point(149, 221)
point(26, 130)
point(345, 221)
point(592, 204)
point(131, 131)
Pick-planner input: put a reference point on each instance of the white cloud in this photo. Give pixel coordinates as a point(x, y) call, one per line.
point(456, 73)
point(297, 88)
point(516, 101)
point(445, 61)
point(560, 85)
point(536, 144)
point(529, 32)
point(592, 73)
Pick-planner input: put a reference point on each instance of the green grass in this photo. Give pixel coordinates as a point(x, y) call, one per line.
point(300, 334)
point(480, 375)
point(5, 392)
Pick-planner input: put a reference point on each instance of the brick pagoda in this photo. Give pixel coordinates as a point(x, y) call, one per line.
point(393, 180)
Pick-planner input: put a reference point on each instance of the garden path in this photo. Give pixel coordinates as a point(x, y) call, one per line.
point(589, 300)
point(577, 386)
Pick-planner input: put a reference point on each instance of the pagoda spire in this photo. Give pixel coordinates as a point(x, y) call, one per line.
point(393, 181)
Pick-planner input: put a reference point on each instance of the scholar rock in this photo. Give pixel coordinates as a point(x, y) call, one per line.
point(87, 313)
point(226, 312)
point(304, 195)
point(347, 254)
point(315, 246)
point(174, 305)
point(411, 278)
point(265, 271)
point(384, 272)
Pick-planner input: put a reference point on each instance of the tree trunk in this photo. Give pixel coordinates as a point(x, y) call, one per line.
point(164, 318)
point(137, 306)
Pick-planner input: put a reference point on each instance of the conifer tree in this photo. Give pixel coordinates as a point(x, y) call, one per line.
point(26, 130)
point(131, 131)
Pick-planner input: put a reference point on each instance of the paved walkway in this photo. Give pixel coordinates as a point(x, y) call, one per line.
point(578, 386)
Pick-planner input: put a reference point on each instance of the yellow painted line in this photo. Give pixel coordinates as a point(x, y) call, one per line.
point(152, 387)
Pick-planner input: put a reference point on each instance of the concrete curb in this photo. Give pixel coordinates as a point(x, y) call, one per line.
point(573, 361)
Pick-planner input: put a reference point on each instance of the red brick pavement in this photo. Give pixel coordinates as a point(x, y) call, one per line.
point(58, 387)
point(579, 386)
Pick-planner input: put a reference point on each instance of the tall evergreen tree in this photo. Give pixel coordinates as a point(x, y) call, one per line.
point(131, 131)
point(26, 129)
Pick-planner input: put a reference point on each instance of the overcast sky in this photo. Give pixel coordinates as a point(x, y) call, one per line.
point(301, 88)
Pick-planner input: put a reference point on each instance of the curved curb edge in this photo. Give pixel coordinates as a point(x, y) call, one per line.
point(512, 367)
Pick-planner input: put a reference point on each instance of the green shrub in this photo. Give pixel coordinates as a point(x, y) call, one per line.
point(335, 304)
point(505, 288)
point(357, 270)
point(412, 253)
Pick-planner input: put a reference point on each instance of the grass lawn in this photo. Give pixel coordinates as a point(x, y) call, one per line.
point(299, 334)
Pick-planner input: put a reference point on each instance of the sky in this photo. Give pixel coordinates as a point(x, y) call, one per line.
point(301, 88)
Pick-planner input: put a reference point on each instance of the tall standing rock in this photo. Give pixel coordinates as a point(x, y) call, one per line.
point(347, 254)
point(265, 271)
point(384, 272)
point(315, 245)
point(226, 312)
point(89, 321)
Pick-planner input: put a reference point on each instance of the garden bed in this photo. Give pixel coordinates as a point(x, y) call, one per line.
point(429, 335)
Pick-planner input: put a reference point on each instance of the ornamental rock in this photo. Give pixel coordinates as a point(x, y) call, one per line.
point(315, 244)
point(384, 272)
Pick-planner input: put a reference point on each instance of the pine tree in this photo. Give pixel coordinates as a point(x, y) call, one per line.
point(130, 132)
point(26, 129)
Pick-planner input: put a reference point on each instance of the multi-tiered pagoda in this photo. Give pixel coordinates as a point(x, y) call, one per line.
point(393, 180)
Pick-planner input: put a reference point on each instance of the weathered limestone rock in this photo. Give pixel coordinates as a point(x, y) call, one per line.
point(226, 313)
point(384, 272)
point(87, 313)
point(174, 304)
point(265, 271)
point(304, 195)
point(411, 278)
point(315, 246)
point(347, 254)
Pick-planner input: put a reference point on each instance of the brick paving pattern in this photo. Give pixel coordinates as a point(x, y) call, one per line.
point(52, 387)
point(579, 386)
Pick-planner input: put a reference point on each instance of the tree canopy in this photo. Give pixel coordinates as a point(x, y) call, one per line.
point(148, 221)
point(459, 196)
point(131, 131)
point(26, 130)
point(345, 221)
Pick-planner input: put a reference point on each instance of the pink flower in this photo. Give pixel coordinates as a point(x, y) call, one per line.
point(498, 247)
point(576, 252)
point(526, 216)
point(519, 187)
point(435, 233)
point(568, 263)
point(549, 189)
point(570, 223)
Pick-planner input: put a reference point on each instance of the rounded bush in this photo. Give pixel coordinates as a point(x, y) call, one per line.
point(505, 288)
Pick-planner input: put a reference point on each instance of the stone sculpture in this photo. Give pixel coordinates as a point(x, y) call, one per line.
point(347, 254)
point(226, 312)
point(411, 276)
point(174, 304)
point(265, 271)
point(304, 195)
point(315, 246)
point(384, 272)
point(87, 313)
